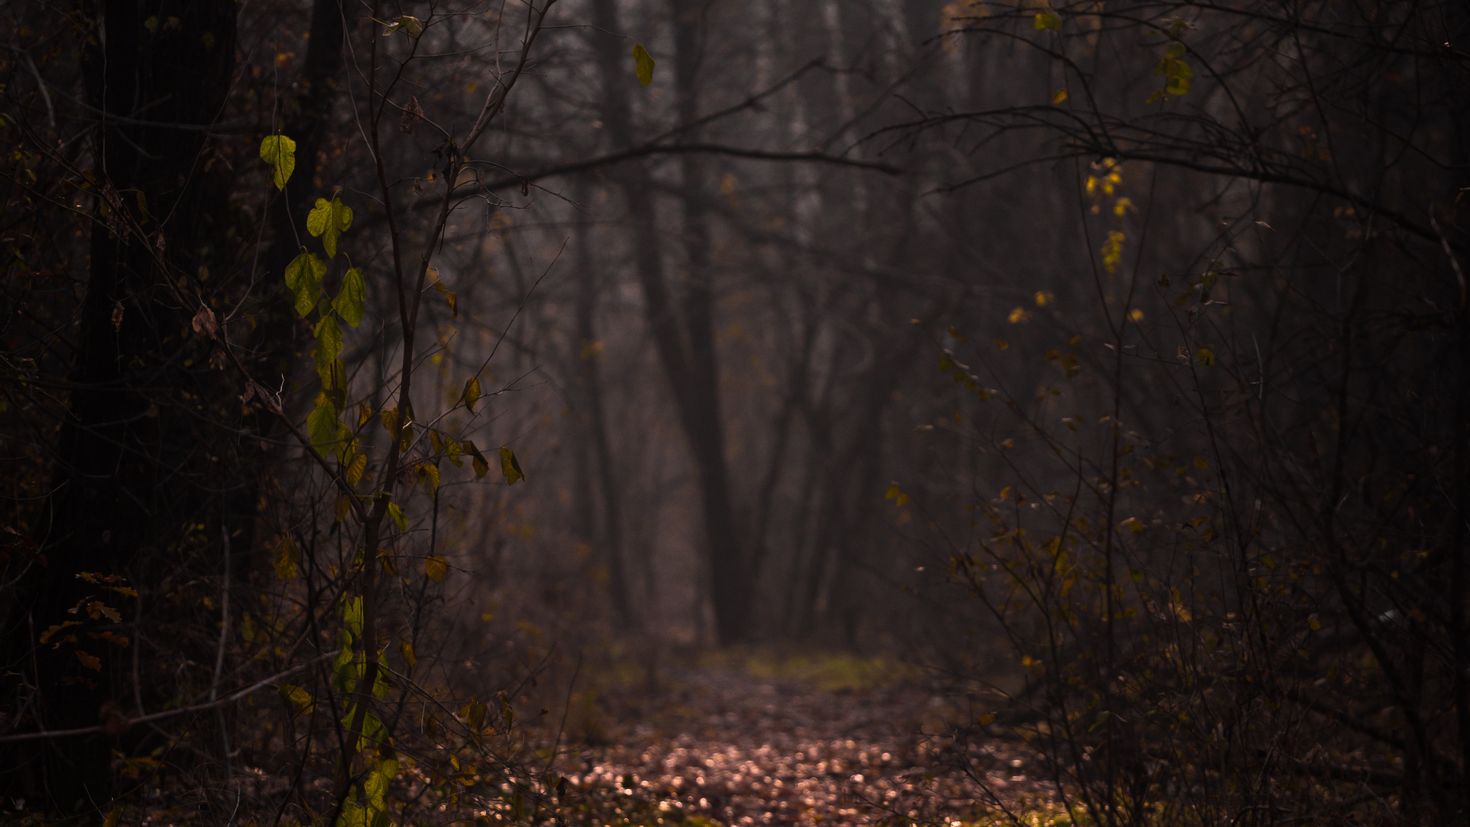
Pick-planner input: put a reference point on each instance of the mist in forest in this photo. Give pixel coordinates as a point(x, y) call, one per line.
point(710, 412)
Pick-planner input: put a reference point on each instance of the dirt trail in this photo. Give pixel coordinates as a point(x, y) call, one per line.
point(722, 745)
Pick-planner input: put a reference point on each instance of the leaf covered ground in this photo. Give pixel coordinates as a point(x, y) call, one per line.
point(741, 739)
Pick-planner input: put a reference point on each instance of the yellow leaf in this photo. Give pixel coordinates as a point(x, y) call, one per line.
point(395, 513)
point(406, 649)
point(510, 467)
point(1206, 355)
point(1047, 20)
point(1135, 315)
point(1112, 251)
point(896, 494)
point(1044, 298)
point(327, 221)
point(1017, 316)
point(471, 393)
point(435, 568)
point(280, 152)
point(429, 473)
point(642, 64)
point(1060, 97)
point(98, 610)
point(89, 660)
point(52, 631)
point(408, 24)
point(1176, 605)
point(356, 468)
point(287, 557)
point(449, 297)
point(299, 697)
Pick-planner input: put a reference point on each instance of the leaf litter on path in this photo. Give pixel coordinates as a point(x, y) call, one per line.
point(728, 744)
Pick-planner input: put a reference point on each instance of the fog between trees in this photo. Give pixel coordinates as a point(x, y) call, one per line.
point(401, 401)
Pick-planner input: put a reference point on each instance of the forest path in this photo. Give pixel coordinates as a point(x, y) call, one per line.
point(723, 743)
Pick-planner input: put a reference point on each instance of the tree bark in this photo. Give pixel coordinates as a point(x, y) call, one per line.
point(683, 340)
point(128, 434)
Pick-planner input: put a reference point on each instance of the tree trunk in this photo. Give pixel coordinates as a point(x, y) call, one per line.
point(588, 359)
point(131, 429)
point(684, 343)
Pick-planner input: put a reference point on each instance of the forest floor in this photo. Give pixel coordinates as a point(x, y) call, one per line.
point(757, 739)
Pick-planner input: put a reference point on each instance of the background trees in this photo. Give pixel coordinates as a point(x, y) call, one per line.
point(1268, 285)
point(1113, 352)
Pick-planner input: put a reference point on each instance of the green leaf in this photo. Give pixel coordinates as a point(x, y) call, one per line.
point(471, 393)
point(304, 279)
point(352, 615)
point(327, 221)
point(642, 64)
point(322, 427)
point(280, 152)
point(351, 297)
point(376, 785)
point(395, 513)
point(354, 814)
point(510, 467)
point(328, 350)
point(299, 697)
point(347, 667)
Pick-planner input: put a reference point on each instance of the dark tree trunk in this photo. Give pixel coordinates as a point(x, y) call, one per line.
point(157, 71)
point(682, 335)
point(598, 451)
point(730, 564)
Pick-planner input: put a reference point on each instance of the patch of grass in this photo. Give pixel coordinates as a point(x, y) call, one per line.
point(825, 671)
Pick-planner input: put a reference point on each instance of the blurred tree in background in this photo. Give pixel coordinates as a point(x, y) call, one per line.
point(364, 364)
